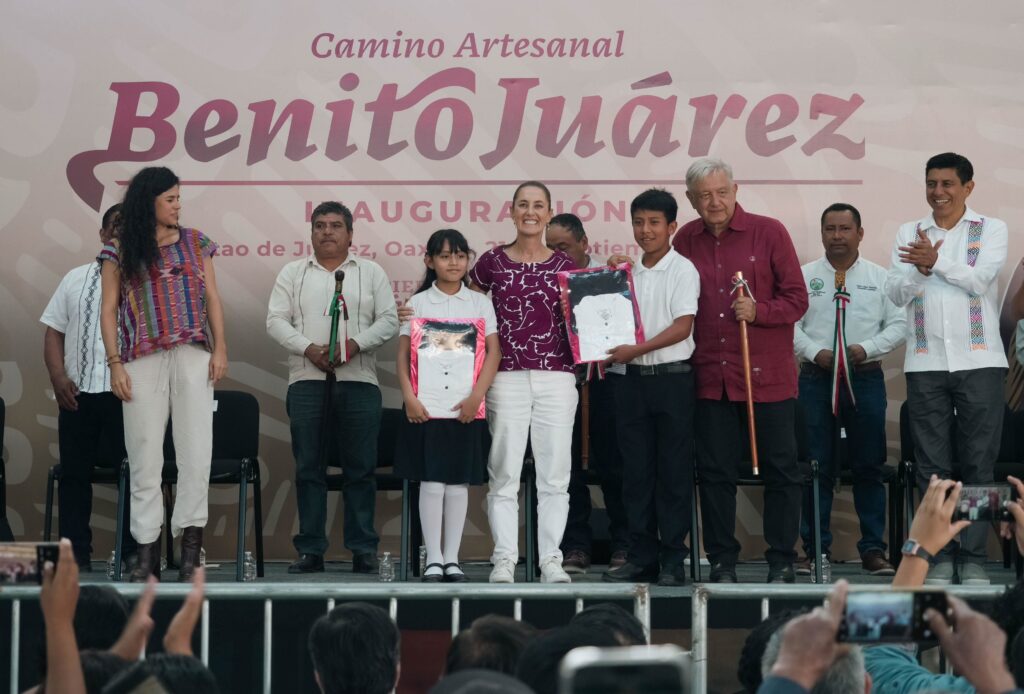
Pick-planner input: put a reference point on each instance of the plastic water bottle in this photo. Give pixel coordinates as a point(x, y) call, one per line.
point(826, 571)
point(110, 566)
point(202, 556)
point(248, 568)
point(423, 559)
point(387, 568)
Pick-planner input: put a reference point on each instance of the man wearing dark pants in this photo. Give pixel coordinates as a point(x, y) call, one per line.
point(874, 326)
point(727, 239)
point(945, 271)
point(565, 233)
point(299, 320)
point(90, 430)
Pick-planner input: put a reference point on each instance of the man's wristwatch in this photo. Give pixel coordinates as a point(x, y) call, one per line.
point(913, 548)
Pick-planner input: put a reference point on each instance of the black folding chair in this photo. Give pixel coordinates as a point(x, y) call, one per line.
point(236, 435)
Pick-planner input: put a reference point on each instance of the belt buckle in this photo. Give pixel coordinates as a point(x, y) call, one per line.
point(648, 369)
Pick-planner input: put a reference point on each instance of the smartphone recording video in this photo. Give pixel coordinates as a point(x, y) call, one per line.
point(22, 562)
point(892, 616)
point(984, 502)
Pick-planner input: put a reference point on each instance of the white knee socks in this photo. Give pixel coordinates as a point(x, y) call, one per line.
point(448, 503)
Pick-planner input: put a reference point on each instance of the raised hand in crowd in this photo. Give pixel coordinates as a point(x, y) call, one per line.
point(178, 639)
point(58, 598)
point(809, 642)
point(132, 642)
point(932, 528)
point(974, 645)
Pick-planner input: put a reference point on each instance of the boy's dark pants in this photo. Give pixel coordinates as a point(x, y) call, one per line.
point(655, 426)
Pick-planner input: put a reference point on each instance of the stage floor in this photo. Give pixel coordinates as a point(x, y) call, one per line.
point(340, 572)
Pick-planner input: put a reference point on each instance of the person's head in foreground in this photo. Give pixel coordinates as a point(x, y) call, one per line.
point(492, 642)
point(355, 650)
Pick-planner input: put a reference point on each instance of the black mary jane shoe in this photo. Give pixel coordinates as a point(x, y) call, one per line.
point(457, 576)
point(432, 578)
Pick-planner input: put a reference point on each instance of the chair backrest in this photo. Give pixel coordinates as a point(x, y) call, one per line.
point(1011, 447)
point(236, 427)
point(387, 440)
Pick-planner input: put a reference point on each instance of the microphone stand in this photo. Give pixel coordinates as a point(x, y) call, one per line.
point(336, 310)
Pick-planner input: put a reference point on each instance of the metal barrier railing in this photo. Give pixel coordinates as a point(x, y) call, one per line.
point(270, 592)
point(703, 593)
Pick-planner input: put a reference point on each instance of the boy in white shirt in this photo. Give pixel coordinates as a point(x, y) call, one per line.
point(654, 400)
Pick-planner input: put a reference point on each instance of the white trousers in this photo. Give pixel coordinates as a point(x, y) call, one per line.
point(174, 382)
point(539, 406)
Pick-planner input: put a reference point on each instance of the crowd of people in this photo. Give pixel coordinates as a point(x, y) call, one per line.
point(93, 642)
point(670, 407)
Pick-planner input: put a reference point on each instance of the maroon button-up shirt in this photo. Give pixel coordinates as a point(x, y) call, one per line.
point(762, 249)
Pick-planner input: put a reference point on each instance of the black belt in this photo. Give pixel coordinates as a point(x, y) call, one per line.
point(672, 367)
point(813, 369)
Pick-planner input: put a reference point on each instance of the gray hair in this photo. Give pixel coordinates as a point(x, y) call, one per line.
point(844, 676)
point(704, 167)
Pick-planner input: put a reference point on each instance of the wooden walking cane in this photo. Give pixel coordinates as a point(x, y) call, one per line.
point(738, 287)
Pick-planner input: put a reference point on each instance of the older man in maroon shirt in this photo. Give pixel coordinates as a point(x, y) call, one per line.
point(725, 239)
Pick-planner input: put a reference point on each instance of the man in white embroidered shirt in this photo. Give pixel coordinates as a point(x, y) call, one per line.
point(874, 326)
point(945, 271)
point(298, 319)
point(90, 430)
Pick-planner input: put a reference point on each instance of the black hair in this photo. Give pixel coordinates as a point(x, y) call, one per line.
point(656, 200)
point(355, 649)
point(538, 664)
point(111, 211)
point(138, 249)
point(842, 207)
point(480, 682)
point(456, 242)
point(622, 624)
point(532, 184)
point(177, 674)
point(98, 668)
point(952, 160)
point(571, 222)
point(331, 207)
point(100, 616)
point(748, 670)
point(492, 642)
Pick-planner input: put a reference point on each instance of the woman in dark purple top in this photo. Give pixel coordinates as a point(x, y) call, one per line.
point(533, 396)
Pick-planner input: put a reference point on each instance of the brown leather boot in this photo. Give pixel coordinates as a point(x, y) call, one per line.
point(149, 563)
point(191, 544)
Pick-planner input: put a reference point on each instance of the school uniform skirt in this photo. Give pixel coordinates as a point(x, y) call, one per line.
point(443, 450)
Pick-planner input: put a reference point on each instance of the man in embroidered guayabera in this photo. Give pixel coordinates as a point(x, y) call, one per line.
point(945, 272)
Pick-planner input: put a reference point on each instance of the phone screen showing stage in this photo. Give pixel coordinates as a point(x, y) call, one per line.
point(984, 502)
point(889, 616)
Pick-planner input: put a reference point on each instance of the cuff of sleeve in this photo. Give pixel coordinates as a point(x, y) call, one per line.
point(303, 344)
point(870, 349)
point(812, 351)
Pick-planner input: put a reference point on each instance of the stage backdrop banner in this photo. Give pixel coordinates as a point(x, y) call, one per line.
point(420, 116)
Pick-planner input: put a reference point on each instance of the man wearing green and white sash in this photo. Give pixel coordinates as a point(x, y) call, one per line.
point(849, 326)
